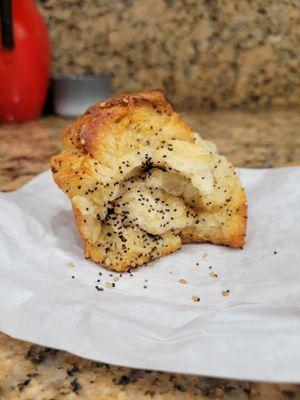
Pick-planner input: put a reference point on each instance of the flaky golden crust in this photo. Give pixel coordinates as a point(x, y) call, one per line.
point(142, 183)
point(86, 131)
point(236, 231)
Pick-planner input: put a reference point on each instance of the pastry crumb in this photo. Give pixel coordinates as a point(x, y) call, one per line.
point(183, 281)
point(195, 298)
point(70, 264)
point(213, 274)
point(205, 255)
point(225, 293)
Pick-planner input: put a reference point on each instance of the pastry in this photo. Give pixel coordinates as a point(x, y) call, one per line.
point(141, 183)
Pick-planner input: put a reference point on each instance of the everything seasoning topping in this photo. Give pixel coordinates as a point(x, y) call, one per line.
point(128, 212)
point(118, 279)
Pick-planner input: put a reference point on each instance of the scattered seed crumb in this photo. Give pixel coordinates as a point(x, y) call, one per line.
point(171, 272)
point(73, 277)
point(225, 293)
point(210, 267)
point(275, 252)
point(116, 279)
point(183, 281)
point(71, 264)
point(197, 264)
point(195, 298)
point(205, 255)
point(145, 287)
point(213, 275)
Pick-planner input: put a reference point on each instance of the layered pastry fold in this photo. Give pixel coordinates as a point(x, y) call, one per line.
point(141, 183)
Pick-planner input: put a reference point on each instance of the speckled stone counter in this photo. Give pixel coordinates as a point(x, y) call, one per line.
point(208, 53)
point(31, 372)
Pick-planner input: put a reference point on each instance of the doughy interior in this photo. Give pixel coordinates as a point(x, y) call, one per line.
point(153, 198)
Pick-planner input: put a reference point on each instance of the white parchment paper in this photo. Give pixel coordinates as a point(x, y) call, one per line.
point(253, 333)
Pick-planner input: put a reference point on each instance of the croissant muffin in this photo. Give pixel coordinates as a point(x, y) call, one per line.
point(141, 183)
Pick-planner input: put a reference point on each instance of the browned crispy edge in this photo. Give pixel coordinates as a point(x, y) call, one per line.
point(237, 238)
point(82, 133)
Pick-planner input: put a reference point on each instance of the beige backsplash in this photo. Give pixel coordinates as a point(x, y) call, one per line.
point(204, 53)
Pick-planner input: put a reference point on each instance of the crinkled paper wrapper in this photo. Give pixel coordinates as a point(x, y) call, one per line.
point(149, 320)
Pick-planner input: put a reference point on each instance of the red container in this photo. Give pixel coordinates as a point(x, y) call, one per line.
point(24, 61)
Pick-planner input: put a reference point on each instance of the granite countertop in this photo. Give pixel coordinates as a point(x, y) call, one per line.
point(203, 53)
point(27, 371)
